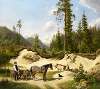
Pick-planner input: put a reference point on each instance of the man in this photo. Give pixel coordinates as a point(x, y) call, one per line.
point(16, 70)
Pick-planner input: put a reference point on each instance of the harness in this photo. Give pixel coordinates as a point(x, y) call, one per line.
point(42, 69)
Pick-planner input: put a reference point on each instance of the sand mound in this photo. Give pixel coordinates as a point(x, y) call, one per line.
point(28, 58)
point(25, 58)
point(95, 69)
point(74, 61)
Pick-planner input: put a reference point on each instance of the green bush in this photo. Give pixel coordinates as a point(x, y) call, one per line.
point(83, 75)
point(4, 72)
point(80, 74)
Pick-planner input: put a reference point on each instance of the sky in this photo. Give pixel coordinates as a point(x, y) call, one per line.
point(37, 15)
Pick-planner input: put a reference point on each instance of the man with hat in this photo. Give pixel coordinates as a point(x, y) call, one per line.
point(16, 70)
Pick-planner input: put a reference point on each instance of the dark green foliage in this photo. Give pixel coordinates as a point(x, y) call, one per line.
point(64, 9)
point(83, 42)
point(95, 32)
point(84, 37)
point(9, 46)
point(83, 75)
point(36, 43)
point(4, 72)
point(17, 29)
point(75, 41)
point(44, 53)
point(9, 38)
point(67, 85)
point(80, 75)
point(58, 55)
point(86, 41)
point(57, 43)
point(12, 85)
point(94, 86)
point(79, 36)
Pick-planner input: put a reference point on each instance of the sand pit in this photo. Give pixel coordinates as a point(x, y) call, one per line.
point(36, 60)
point(25, 58)
point(73, 61)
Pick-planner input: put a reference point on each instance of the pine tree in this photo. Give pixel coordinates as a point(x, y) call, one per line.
point(57, 42)
point(86, 41)
point(17, 29)
point(79, 36)
point(36, 43)
point(64, 8)
point(19, 25)
point(53, 44)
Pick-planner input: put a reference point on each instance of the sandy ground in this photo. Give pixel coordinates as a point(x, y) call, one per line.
point(87, 64)
point(54, 83)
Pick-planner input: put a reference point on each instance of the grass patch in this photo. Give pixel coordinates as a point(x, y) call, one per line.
point(12, 85)
point(94, 86)
point(49, 75)
point(4, 73)
point(72, 85)
point(67, 85)
point(7, 73)
point(48, 87)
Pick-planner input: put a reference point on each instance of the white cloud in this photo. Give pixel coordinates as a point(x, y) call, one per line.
point(49, 29)
point(94, 4)
point(96, 23)
point(50, 26)
point(52, 11)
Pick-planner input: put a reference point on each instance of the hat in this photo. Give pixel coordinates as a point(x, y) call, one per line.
point(15, 62)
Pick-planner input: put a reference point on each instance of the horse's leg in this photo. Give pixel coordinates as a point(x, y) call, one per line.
point(44, 75)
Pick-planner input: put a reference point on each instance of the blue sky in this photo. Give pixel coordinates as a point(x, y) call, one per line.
point(37, 17)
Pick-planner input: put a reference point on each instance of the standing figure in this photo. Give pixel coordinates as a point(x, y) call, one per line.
point(16, 71)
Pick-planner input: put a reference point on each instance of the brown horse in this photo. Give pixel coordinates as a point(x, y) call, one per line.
point(43, 69)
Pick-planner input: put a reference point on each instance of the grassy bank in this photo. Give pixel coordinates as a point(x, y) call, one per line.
point(13, 85)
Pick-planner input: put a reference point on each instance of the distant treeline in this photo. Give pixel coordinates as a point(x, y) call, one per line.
point(83, 40)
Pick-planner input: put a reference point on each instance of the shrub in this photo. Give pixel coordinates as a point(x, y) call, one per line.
point(83, 75)
point(80, 74)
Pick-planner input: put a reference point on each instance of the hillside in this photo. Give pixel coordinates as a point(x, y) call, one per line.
point(31, 40)
point(7, 37)
point(9, 45)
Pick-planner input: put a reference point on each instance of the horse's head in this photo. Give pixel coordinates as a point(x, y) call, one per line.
point(51, 66)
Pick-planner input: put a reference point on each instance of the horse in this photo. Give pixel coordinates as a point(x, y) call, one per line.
point(43, 69)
